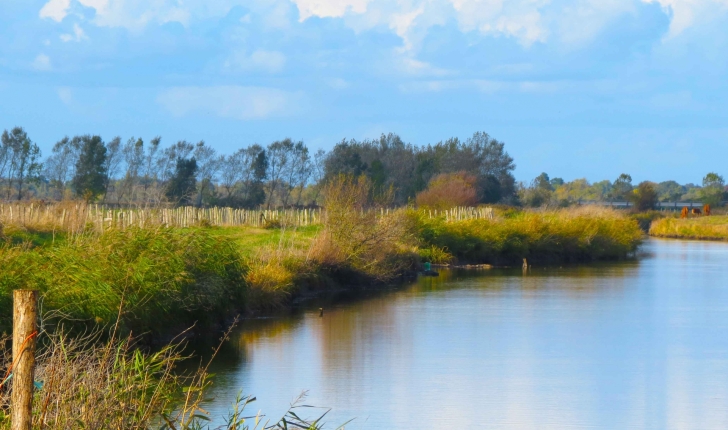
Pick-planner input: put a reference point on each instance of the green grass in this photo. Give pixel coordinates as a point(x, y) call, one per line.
point(166, 279)
point(250, 239)
point(705, 228)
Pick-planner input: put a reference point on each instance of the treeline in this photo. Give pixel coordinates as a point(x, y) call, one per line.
point(545, 191)
point(284, 173)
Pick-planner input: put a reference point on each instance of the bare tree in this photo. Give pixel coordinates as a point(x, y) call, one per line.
point(279, 157)
point(113, 159)
point(318, 171)
point(133, 154)
point(208, 164)
point(231, 171)
point(150, 171)
point(59, 167)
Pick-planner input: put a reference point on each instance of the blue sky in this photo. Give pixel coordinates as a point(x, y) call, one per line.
point(576, 88)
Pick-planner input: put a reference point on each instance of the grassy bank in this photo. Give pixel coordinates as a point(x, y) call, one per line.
point(574, 235)
point(159, 280)
point(166, 279)
point(703, 228)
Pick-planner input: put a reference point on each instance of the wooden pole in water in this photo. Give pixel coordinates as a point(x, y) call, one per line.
point(25, 330)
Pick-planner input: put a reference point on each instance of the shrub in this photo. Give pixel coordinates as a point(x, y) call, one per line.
point(355, 235)
point(449, 190)
point(644, 196)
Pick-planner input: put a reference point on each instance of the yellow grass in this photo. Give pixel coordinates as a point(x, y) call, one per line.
point(705, 228)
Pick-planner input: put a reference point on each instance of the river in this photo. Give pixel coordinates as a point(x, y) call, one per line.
point(640, 344)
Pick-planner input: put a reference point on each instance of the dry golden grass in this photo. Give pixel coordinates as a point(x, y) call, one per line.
point(88, 384)
point(704, 228)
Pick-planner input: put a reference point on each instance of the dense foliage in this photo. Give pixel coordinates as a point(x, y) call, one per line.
point(543, 191)
point(283, 173)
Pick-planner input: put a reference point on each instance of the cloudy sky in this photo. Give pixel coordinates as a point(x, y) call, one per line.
point(576, 88)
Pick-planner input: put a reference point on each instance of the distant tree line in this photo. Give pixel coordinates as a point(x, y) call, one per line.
point(543, 191)
point(283, 173)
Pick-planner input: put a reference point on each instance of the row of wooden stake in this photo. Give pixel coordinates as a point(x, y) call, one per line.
point(80, 216)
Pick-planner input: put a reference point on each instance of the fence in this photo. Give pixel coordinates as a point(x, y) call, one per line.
point(79, 216)
point(659, 205)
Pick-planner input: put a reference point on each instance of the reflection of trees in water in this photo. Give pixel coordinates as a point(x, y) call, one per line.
point(356, 324)
point(578, 279)
point(367, 316)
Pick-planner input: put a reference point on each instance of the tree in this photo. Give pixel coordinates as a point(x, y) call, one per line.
point(538, 193)
point(151, 167)
point(279, 154)
point(543, 182)
point(644, 196)
point(318, 170)
point(183, 183)
point(89, 179)
point(133, 154)
point(232, 171)
point(208, 164)
point(256, 193)
point(670, 191)
point(23, 159)
point(622, 187)
point(556, 182)
point(113, 159)
point(713, 189)
point(59, 167)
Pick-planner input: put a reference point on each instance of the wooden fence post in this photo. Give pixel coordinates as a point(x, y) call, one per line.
point(25, 317)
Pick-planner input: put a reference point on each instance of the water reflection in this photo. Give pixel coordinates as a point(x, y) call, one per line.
point(629, 345)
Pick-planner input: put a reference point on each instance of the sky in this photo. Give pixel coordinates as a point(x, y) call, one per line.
point(575, 88)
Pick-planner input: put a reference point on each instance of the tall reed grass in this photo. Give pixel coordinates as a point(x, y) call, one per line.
point(167, 279)
point(84, 383)
point(568, 235)
point(704, 228)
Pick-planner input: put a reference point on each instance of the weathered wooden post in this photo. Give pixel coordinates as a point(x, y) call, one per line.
point(25, 317)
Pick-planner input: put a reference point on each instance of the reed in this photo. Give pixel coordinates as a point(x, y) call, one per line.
point(170, 278)
point(86, 383)
point(701, 228)
point(167, 278)
point(569, 235)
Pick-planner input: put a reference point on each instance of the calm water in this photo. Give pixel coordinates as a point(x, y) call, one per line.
point(630, 345)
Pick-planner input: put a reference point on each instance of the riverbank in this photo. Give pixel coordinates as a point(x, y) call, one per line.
point(700, 228)
point(167, 279)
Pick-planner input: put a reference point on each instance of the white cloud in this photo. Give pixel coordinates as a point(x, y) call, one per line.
point(686, 13)
point(236, 102)
point(268, 61)
point(77, 35)
point(65, 94)
point(329, 9)
point(487, 86)
point(411, 19)
point(136, 14)
point(55, 10)
point(581, 22)
point(42, 62)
